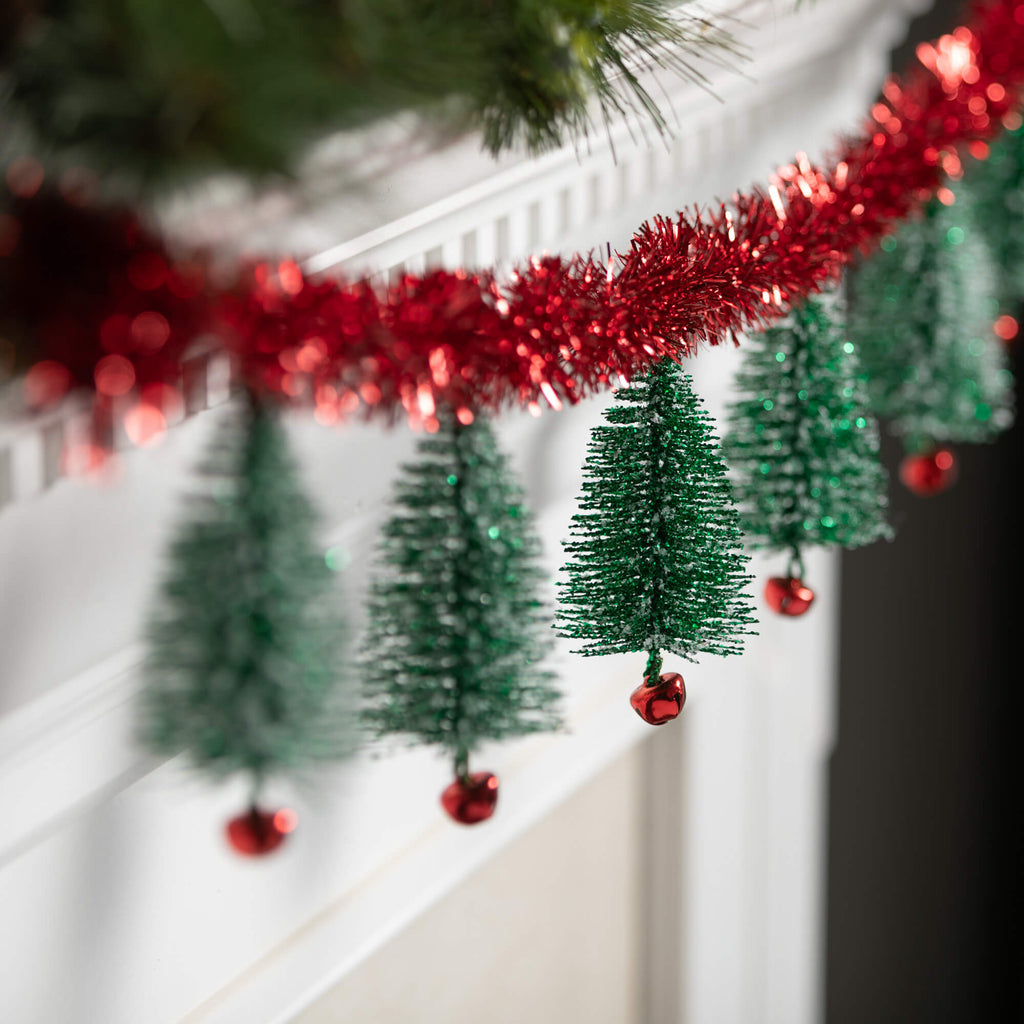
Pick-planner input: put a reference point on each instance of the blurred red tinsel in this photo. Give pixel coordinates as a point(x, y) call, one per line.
point(558, 329)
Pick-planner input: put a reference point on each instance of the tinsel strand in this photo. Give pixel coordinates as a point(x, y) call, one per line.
point(560, 329)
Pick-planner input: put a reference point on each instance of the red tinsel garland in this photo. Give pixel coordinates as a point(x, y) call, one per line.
point(91, 297)
point(559, 329)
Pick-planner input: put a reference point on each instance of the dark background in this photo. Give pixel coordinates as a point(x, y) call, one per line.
point(926, 845)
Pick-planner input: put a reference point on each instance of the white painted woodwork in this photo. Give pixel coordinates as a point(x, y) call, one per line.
point(121, 904)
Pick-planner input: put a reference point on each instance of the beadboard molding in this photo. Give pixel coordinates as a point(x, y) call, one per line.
point(269, 939)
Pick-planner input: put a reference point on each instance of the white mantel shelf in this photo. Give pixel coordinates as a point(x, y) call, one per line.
point(121, 904)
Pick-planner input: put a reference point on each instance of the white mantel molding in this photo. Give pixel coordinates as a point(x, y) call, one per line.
point(564, 201)
point(72, 784)
point(497, 207)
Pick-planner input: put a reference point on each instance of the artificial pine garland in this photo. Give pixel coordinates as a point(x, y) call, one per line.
point(456, 629)
point(655, 560)
point(244, 667)
point(146, 92)
point(921, 314)
point(804, 446)
point(531, 72)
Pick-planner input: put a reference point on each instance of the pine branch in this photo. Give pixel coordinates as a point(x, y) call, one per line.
point(147, 93)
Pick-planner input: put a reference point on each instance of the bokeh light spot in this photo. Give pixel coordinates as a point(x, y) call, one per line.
point(114, 375)
point(46, 383)
point(1006, 327)
point(286, 820)
point(290, 275)
point(337, 558)
point(150, 331)
point(145, 425)
point(24, 176)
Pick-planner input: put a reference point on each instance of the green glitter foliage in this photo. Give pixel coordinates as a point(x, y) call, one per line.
point(921, 314)
point(149, 91)
point(995, 189)
point(802, 444)
point(242, 671)
point(656, 560)
point(456, 631)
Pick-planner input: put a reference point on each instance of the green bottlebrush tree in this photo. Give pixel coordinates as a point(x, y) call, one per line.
point(142, 91)
point(994, 188)
point(242, 673)
point(656, 559)
point(802, 443)
point(921, 313)
point(456, 629)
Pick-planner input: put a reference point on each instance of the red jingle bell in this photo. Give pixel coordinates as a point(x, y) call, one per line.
point(659, 702)
point(471, 798)
point(788, 595)
point(928, 473)
point(258, 832)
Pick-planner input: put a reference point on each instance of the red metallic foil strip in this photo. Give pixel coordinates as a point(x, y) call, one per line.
point(562, 328)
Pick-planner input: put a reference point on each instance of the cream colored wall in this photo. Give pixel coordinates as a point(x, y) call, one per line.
point(547, 931)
